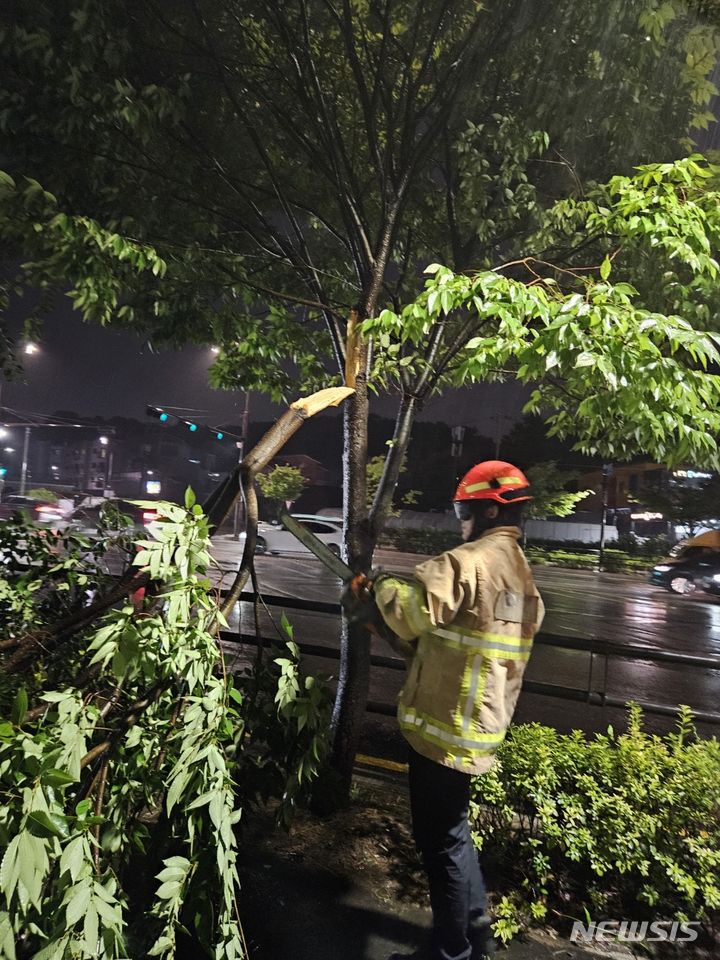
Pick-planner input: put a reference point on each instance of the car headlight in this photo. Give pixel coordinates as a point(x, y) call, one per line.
point(662, 568)
point(716, 578)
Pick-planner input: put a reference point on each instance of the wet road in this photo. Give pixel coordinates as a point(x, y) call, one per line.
point(616, 608)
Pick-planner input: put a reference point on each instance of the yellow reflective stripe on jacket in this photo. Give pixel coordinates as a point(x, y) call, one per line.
point(485, 485)
point(440, 733)
point(497, 645)
point(412, 602)
point(478, 678)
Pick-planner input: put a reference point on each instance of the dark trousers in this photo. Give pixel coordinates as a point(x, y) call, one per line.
point(439, 800)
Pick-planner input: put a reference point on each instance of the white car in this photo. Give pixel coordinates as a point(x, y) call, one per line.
point(274, 538)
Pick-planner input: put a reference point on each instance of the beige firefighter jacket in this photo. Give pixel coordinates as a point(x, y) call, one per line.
point(474, 612)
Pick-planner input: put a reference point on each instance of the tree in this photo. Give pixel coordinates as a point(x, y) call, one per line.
point(551, 498)
point(374, 470)
point(269, 178)
point(687, 506)
point(282, 484)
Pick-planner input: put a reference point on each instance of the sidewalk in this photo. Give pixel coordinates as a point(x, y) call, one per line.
point(350, 894)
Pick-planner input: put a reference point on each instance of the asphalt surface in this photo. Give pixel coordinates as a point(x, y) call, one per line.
point(607, 607)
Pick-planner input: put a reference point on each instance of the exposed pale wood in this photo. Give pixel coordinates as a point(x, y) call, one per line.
point(331, 397)
point(352, 353)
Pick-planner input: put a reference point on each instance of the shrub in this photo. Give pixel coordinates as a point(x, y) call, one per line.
point(608, 827)
point(429, 542)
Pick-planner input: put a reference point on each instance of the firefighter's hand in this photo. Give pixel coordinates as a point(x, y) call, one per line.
point(361, 587)
point(358, 601)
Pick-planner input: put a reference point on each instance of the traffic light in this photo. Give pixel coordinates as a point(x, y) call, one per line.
point(158, 413)
point(3, 472)
point(164, 417)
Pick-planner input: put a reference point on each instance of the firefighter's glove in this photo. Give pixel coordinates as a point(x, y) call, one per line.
point(358, 601)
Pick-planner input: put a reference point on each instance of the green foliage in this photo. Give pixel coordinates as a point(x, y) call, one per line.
point(427, 541)
point(617, 825)
point(143, 690)
point(549, 489)
point(283, 739)
point(42, 493)
point(127, 753)
point(374, 471)
point(614, 561)
point(689, 506)
point(47, 577)
point(606, 370)
point(282, 484)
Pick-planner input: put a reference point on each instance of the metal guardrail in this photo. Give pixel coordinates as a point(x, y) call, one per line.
point(592, 645)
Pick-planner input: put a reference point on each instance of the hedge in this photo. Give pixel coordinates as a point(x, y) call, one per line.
point(608, 827)
point(432, 542)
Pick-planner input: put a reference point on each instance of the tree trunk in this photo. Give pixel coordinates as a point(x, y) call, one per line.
point(354, 678)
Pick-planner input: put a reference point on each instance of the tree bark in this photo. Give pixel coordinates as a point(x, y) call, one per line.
point(354, 678)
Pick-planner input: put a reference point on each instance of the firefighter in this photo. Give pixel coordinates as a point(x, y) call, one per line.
point(465, 624)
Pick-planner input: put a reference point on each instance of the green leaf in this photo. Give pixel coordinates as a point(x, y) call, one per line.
point(78, 904)
point(44, 825)
point(20, 706)
point(189, 498)
point(605, 268)
point(585, 359)
point(56, 778)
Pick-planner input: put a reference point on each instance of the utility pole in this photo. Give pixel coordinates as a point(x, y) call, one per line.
point(607, 472)
point(24, 468)
point(458, 435)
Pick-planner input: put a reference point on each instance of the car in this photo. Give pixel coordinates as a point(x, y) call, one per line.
point(695, 568)
point(85, 520)
point(43, 513)
point(274, 538)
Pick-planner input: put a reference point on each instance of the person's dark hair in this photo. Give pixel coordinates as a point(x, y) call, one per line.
point(509, 515)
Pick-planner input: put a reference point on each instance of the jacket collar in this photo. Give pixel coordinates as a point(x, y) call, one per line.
point(512, 531)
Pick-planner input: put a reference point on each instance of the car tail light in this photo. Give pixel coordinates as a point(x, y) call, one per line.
point(49, 511)
point(148, 516)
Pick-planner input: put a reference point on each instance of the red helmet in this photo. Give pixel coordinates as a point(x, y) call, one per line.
point(494, 480)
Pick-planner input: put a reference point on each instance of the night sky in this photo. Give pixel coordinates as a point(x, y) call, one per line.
point(96, 371)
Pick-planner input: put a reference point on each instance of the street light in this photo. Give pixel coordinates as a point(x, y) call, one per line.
point(104, 441)
point(30, 348)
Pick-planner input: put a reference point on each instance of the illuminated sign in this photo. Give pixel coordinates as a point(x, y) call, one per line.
point(152, 487)
point(692, 474)
point(646, 516)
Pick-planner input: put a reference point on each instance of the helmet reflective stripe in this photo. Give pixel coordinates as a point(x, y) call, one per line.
point(503, 481)
point(494, 480)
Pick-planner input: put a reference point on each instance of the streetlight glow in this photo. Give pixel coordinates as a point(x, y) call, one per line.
point(31, 348)
point(104, 441)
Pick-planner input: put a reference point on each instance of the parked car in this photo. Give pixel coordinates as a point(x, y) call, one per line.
point(695, 569)
point(40, 512)
point(274, 538)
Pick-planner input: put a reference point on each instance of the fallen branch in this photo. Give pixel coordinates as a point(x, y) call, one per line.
point(255, 461)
